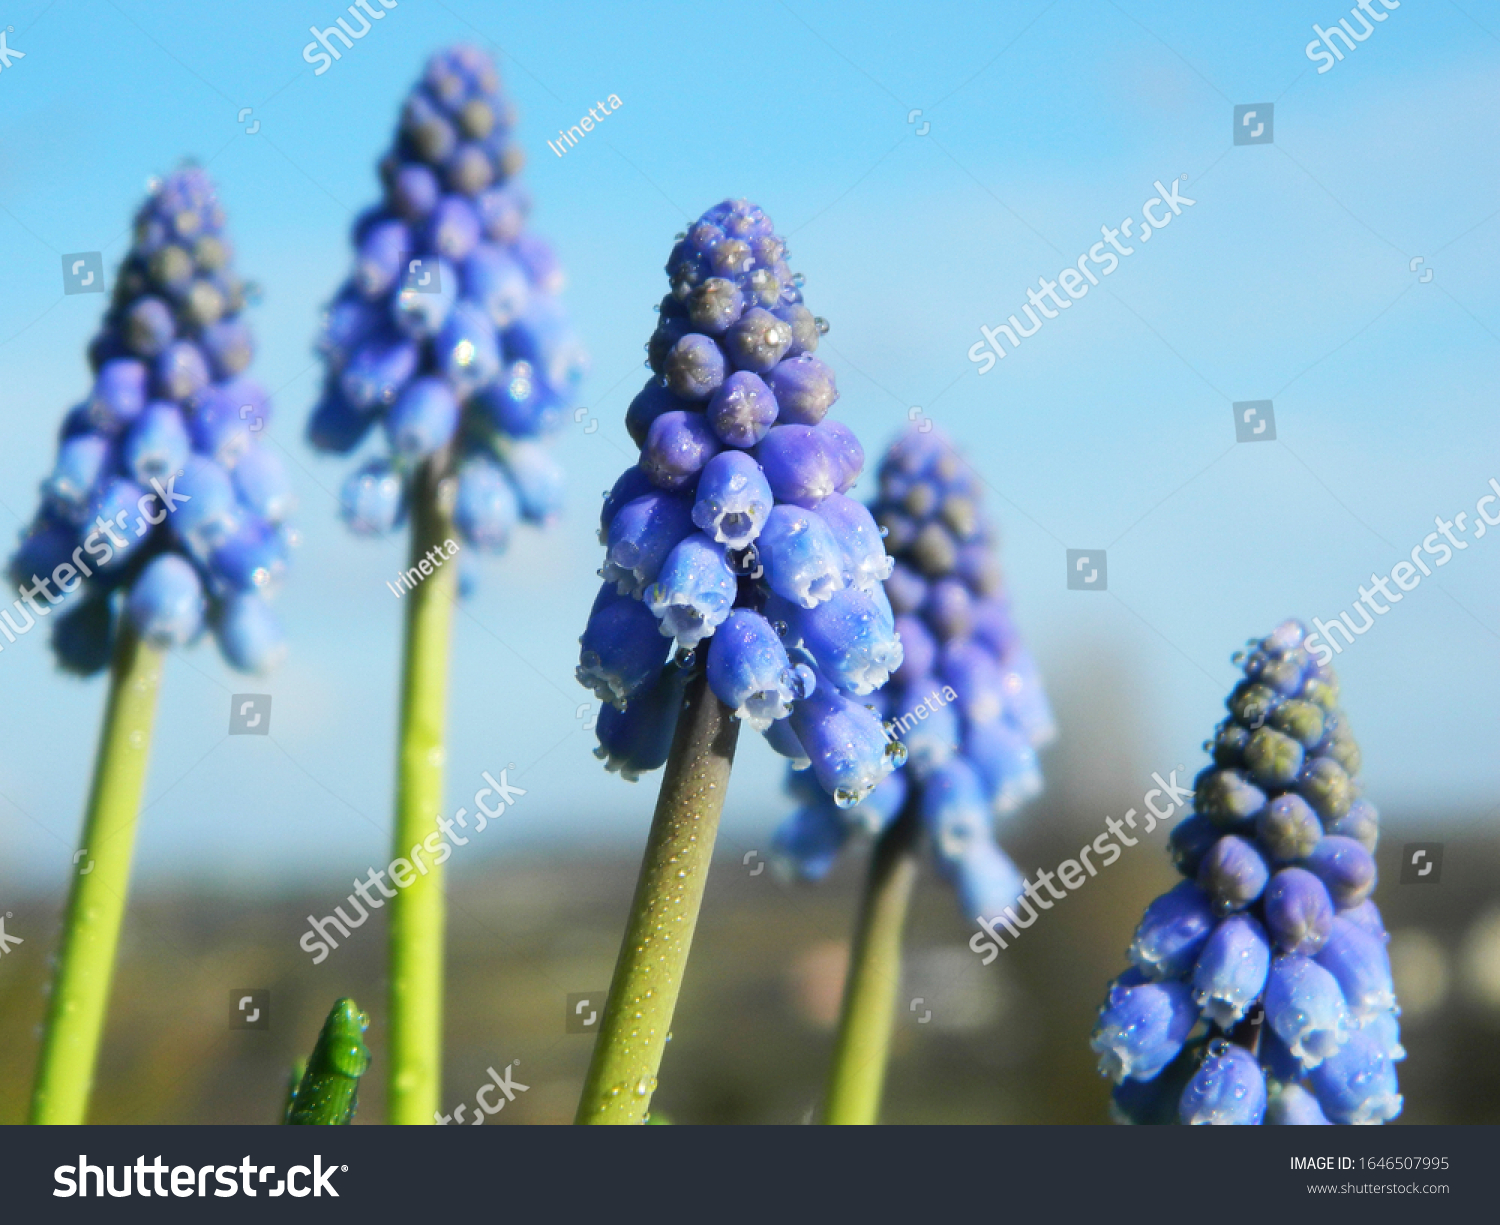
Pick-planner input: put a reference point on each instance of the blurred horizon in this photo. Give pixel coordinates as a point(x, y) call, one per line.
point(1004, 1043)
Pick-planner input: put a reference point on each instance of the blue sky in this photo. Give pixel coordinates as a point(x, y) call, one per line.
point(1289, 279)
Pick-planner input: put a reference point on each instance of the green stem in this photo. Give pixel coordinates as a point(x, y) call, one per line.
point(96, 901)
point(868, 1016)
point(417, 910)
point(659, 935)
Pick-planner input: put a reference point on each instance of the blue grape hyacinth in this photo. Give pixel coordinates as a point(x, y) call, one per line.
point(1261, 990)
point(166, 506)
point(448, 334)
point(966, 698)
point(731, 545)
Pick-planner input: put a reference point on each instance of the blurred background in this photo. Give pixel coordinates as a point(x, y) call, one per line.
point(1292, 278)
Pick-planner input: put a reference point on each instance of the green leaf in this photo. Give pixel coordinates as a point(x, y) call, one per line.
point(299, 1070)
point(329, 1090)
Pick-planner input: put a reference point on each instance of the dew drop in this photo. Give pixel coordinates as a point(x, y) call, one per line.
point(798, 280)
point(685, 658)
point(803, 682)
point(781, 628)
point(821, 324)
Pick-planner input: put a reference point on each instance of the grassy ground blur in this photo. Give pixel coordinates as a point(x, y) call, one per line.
point(1006, 1043)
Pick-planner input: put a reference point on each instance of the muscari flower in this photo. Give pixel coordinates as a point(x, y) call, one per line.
point(730, 543)
point(165, 506)
point(964, 696)
point(448, 333)
point(1272, 950)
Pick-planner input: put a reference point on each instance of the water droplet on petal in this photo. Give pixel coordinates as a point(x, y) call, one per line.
point(804, 681)
point(821, 324)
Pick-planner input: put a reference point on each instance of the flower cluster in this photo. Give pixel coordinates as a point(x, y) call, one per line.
point(449, 331)
point(163, 491)
point(967, 700)
point(1261, 991)
point(734, 532)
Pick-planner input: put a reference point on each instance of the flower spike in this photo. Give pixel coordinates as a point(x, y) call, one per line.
point(1274, 950)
